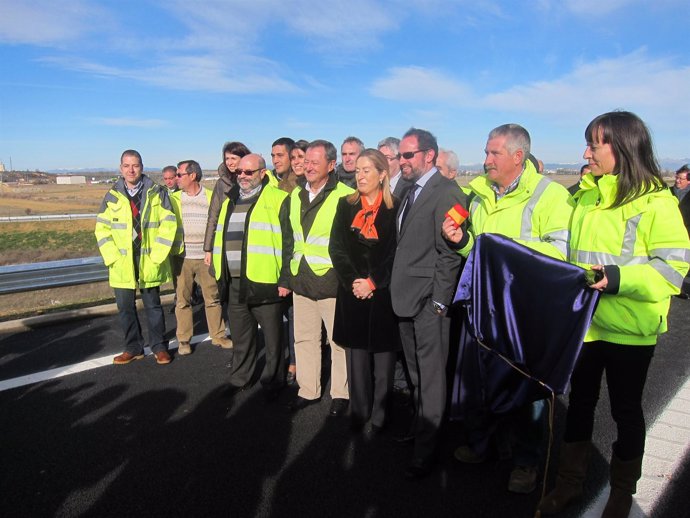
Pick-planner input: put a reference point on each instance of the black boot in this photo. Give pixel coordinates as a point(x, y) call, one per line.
point(572, 469)
point(624, 477)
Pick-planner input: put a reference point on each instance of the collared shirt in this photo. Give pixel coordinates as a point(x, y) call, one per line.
point(513, 185)
point(420, 183)
point(681, 193)
point(313, 195)
point(394, 181)
point(134, 190)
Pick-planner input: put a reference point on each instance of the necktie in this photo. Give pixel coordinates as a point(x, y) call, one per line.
point(408, 202)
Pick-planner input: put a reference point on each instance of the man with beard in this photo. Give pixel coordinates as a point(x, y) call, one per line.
point(252, 250)
point(423, 281)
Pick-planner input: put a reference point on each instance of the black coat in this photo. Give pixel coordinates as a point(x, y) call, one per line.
point(367, 324)
point(684, 206)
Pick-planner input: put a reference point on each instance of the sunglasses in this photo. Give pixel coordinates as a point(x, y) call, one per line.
point(247, 172)
point(408, 155)
point(180, 175)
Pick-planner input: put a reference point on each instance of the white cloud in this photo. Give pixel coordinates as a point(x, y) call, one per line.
point(421, 84)
point(203, 73)
point(341, 24)
point(130, 122)
point(636, 82)
point(47, 22)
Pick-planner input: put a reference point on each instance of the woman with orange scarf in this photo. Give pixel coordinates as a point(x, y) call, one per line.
point(362, 248)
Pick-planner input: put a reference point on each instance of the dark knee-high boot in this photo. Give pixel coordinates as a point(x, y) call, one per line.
point(624, 477)
point(572, 468)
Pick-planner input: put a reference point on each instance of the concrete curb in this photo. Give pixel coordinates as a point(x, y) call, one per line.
point(28, 323)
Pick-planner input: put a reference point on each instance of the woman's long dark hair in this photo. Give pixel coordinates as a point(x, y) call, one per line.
point(636, 166)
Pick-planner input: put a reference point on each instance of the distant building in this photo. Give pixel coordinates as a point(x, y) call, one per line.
point(2, 167)
point(70, 180)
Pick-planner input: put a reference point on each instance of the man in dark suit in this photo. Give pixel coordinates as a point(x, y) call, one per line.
point(424, 276)
point(681, 190)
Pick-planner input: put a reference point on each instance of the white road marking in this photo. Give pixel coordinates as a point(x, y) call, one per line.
point(75, 368)
point(668, 441)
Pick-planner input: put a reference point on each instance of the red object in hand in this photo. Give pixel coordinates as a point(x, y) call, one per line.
point(458, 214)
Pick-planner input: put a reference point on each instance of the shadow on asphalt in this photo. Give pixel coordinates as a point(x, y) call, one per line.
point(144, 440)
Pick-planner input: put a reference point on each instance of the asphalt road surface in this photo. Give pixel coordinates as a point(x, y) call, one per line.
point(82, 437)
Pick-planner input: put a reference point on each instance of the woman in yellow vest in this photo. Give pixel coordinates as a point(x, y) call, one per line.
point(627, 230)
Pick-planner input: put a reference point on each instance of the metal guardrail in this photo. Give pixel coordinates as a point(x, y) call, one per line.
point(45, 217)
point(51, 274)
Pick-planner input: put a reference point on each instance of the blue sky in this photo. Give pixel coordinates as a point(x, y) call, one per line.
point(83, 80)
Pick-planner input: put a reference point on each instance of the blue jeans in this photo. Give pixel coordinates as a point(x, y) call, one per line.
point(529, 424)
point(129, 320)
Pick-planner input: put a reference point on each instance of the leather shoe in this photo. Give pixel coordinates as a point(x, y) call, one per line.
point(223, 343)
point(299, 403)
point(125, 358)
point(162, 357)
point(418, 468)
point(338, 407)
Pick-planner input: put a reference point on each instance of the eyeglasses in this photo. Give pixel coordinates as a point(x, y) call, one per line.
point(247, 172)
point(408, 155)
point(180, 175)
point(394, 157)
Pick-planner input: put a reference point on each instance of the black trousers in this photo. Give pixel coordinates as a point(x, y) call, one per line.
point(425, 344)
point(370, 381)
point(626, 372)
point(243, 324)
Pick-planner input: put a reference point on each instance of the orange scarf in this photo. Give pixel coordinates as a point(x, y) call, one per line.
point(364, 219)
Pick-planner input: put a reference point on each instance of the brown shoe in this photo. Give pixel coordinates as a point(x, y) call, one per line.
point(184, 349)
point(224, 343)
point(162, 357)
point(125, 358)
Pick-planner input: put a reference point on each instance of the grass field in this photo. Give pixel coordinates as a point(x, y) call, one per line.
point(38, 241)
point(22, 200)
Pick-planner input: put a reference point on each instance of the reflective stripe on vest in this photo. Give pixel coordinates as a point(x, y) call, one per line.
point(264, 237)
point(528, 209)
point(315, 248)
point(656, 257)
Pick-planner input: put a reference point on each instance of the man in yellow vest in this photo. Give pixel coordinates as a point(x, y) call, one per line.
point(190, 205)
point(314, 281)
point(514, 200)
point(135, 228)
point(251, 258)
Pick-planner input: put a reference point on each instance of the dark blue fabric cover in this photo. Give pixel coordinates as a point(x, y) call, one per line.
point(530, 308)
